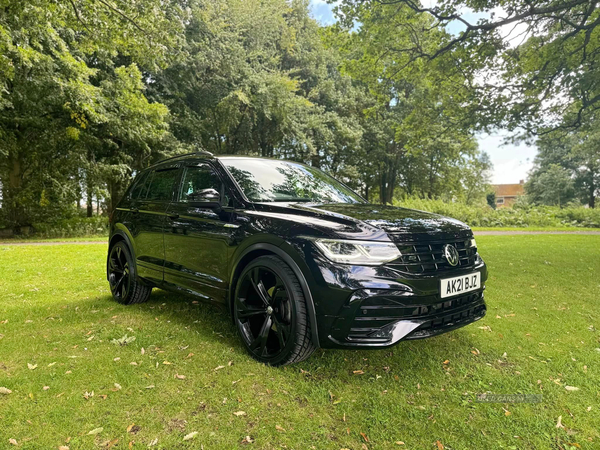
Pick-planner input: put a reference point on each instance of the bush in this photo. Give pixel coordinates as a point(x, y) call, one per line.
point(72, 227)
point(522, 215)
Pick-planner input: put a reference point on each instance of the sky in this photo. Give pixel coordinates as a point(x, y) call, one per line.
point(511, 162)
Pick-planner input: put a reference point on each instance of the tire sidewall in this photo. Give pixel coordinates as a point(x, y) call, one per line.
point(269, 263)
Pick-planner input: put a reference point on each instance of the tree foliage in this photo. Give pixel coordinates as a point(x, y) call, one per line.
point(537, 60)
point(577, 154)
point(93, 90)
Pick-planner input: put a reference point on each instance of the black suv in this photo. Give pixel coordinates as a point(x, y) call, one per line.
point(299, 259)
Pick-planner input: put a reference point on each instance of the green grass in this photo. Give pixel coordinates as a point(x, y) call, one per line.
point(56, 313)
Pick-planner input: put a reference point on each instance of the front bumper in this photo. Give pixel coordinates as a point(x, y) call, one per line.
point(380, 318)
point(378, 306)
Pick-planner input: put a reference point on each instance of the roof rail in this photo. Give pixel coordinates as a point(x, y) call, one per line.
point(200, 152)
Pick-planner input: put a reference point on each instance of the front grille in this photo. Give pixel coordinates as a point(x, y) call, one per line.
point(429, 257)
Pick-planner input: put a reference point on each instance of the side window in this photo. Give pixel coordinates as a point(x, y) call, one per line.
point(198, 178)
point(140, 185)
point(161, 184)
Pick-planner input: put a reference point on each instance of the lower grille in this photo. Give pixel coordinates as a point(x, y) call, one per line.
point(429, 257)
point(435, 326)
point(378, 313)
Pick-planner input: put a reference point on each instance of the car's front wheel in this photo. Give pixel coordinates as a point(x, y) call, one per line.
point(270, 313)
point(124, 286)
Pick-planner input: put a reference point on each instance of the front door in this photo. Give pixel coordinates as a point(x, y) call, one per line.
point(150, 211)
point(197, 240)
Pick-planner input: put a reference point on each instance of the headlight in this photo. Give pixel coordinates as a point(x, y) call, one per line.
point(358, 252)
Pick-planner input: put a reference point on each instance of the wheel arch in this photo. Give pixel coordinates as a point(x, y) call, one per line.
point(260, 249)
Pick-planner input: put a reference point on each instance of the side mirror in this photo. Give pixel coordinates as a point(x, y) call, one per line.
point(205, 198)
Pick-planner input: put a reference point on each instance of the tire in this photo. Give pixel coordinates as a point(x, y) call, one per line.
point(269, 301)
point(125, 287)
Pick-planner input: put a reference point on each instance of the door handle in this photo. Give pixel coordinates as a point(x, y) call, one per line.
point(173, 216)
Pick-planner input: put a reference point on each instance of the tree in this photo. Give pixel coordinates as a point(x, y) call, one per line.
point(551, 187)
point(536, 59)
point(578, 152)
point(71, 90)
point(416, 138)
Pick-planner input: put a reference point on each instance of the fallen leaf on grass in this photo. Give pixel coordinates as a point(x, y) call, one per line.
point(399, 443)
point(51, 364)
point(180, 377)
point(167, 363)
point(239, 413)
point(153, 442)
point(571, 388)
point(358, 372)
point(247, 440)
point(5, 391)
point(440, 446)
point(117, 387)
point(45, 388)
point(133, 428)
point(190, 436)
point(87, 395)
point(559, 423)
point(31, 366)
point(13, 441)
point(279, 428)
point(150, 387)
point(219, 368)
point(63, 447)
point(96, 431)
point(364, 436)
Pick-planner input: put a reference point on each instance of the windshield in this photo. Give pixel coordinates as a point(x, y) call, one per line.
point(266, 180)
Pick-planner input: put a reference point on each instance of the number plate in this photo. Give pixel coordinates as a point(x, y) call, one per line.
point(459, 285)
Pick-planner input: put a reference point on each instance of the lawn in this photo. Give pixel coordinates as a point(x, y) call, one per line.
point(186, 371)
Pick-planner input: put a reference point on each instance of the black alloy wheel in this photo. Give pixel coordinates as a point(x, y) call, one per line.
point(124, 287)
point(270, 313)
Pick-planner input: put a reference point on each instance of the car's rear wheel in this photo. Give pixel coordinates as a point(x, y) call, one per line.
point(270, 313)
point(124, 286)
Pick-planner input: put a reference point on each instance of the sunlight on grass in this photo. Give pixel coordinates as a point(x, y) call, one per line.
point(186, 370)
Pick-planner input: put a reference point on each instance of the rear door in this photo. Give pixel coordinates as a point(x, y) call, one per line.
point(150, 211)
point(197, 240)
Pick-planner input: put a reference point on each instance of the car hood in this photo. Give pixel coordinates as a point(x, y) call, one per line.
point(395, 221)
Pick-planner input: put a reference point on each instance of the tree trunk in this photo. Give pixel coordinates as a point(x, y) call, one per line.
point(592, 202)
point(90, 199)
